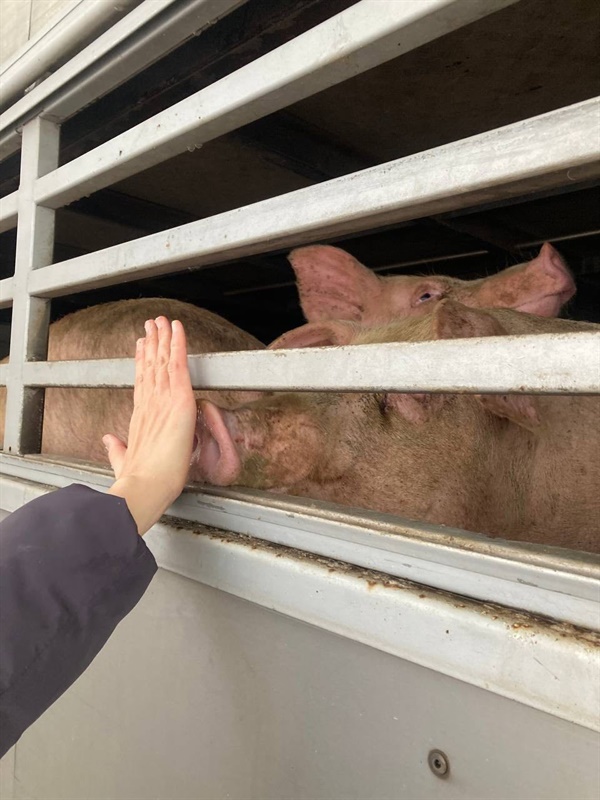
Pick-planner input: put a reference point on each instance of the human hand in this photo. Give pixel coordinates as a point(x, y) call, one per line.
point(152, 468)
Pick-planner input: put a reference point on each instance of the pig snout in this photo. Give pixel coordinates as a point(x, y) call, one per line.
point(273, 443)
point(215, 459)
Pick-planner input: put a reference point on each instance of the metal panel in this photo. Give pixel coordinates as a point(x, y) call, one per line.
point(200, 695)
point(565, 363)
point(550, 150)
point(557, 583)
point(109, 61)
point(55, 27)
point(363, 36)
point(8, 211)
point(29, 329)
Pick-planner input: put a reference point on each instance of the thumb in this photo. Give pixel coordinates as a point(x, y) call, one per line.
point(116, 451)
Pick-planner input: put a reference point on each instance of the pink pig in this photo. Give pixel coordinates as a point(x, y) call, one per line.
point(519, 466)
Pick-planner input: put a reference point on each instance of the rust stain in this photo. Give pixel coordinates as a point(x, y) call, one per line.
point(515, 620)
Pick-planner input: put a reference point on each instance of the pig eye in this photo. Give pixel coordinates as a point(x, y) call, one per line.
point(425, 297)
point(428, 296)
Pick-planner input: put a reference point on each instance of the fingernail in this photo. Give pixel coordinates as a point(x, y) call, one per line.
point(160, 321)
point(148, 325)
point(105, 443)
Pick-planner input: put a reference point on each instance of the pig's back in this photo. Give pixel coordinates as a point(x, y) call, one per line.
point(110, 330)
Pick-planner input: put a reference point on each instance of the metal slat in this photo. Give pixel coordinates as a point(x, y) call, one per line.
point(557, 583)
point(550, 150)
point(6, 292)
point(148, 32)
point(565, 363)
point(8, 211)
point(362, 37)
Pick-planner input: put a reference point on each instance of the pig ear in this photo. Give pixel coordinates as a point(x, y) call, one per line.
point(452, 320)
point(416, 408)
point(540, 286)
point(549, 274)
point(316, 334)
point(455, 321)
point(332, 284)
point(518, 408)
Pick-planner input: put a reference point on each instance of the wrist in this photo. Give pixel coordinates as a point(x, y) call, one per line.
point(145, 505)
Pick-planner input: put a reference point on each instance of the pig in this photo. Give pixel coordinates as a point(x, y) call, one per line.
point(76, 419)
point(332, 284)
point(522, 467)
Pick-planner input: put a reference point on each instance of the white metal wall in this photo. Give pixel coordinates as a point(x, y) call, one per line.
point(22, 20)
point(232, 700)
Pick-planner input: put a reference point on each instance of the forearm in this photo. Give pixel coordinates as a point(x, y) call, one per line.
point(71, 567)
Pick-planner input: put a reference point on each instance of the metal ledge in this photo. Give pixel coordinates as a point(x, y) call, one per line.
point(557, 583)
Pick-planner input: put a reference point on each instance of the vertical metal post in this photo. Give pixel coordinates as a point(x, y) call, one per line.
point(29, 330)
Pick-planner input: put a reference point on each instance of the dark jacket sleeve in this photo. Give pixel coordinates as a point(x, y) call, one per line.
point(72, 565)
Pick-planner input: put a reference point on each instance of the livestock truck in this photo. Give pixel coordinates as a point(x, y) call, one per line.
point(291, 647)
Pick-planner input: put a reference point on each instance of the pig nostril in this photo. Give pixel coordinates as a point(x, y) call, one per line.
point(195, 443)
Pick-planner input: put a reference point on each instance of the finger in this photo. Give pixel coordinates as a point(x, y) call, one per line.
point(163, 353)
point(139, 371)
point(179, 373)
point(150, 349)
point(116, 451)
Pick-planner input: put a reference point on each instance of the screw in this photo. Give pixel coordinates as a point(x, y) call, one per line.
point(438, 763)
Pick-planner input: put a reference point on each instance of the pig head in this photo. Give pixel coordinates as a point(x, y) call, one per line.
point(498, 464)
point(332, 284)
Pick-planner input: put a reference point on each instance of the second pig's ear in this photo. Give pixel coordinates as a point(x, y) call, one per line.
point(416, 408)
point(452, 320)
point(316, 334)
point(332, 284)
point(522, 409)
point(455, 321)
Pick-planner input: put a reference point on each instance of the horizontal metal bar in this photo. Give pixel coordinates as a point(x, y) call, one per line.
point(6, 292)
point(148, 32)
point(359, 38)
point(551, 149)
point(8, 211)
point(557, 583)
point(565, 363)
